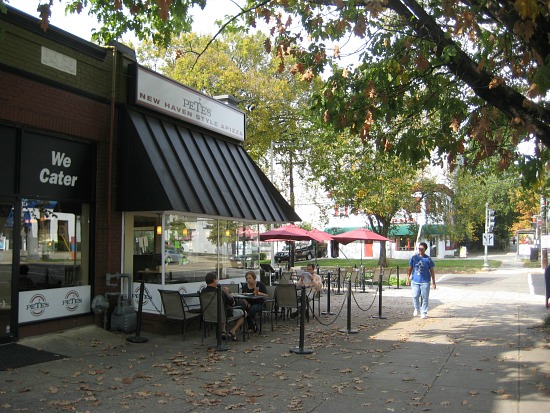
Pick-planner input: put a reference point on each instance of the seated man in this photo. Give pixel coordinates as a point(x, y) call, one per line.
point(310, 279)
point(211, 280)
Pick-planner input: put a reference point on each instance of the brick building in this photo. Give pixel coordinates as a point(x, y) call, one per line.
point(110, 168)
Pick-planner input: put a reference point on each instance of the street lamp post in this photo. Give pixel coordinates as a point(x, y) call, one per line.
point(271, 175)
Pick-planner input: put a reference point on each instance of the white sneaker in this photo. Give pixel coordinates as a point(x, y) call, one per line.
point(415, 313)
point(424, 316)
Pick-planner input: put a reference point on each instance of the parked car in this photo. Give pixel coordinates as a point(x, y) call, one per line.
point(302, 252)
point(171, 255)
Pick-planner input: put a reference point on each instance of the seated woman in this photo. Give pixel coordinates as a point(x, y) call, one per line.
point(253, 305)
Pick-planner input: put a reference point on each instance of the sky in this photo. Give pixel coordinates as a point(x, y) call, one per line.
point(81, 25)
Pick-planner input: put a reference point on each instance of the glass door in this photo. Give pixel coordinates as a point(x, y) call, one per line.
point(6, 258)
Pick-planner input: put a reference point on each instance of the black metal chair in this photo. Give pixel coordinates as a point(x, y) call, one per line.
point(286, 297)
point(269, 307)
point(174, 309)
point(209, 305)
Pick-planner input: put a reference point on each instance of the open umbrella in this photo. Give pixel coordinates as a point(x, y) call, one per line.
point(320, 234)
point(361, 234)
point(289, 232)
point(325, 236)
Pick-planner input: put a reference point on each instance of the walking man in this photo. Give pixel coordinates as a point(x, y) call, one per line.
point(421, 267)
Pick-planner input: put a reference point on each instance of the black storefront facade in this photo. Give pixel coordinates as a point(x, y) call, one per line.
point(111, 168)
point(208, 199)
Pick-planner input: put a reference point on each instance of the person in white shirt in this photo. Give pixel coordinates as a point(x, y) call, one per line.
point(310, 279)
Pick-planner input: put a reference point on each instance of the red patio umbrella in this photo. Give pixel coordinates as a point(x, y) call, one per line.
point(361, 234)
point(247, 233)
point(289, 232)
point(322, 234)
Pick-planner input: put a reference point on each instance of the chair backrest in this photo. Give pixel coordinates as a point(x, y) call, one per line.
point(270, 291)
point(267, 268)
point(386, 274)
point(268, 304)
point(286, 295)
point(209, 307)
point(69, 275)
point(172, 304)
point(233, 287)
point(286, 275)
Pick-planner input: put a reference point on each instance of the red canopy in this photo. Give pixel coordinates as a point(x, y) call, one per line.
point(321, 234)
point(247, 233)
point(289, 232)
point(361, 234)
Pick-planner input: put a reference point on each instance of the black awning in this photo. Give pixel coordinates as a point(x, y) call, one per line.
point(166, 166)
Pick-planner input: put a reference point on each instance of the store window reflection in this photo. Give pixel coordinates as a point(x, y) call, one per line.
point(173, 248)
point(54, 244)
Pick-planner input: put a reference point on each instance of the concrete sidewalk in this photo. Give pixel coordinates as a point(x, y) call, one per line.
point(480, 350)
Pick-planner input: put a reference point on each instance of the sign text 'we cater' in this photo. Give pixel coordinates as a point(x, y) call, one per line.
point(56, 173)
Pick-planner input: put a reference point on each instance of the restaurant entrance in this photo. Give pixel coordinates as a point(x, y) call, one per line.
point(6, 259)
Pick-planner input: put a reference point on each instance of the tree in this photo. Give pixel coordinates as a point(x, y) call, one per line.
point(482, 65)
point(275, 103)
point(504, 194)
point(484, 51)
point(373, 184)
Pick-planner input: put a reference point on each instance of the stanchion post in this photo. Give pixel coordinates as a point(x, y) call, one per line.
point(301, 349)
point(362, 275)
point(137, 338)
point(339, 280)
point(219, 308)
point(380, 294)
point(349, 330)
point(328, 312)
point(547, 284)
point(397, 277)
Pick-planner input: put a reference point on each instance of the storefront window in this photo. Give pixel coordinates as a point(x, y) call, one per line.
point(54, 245)
point(175, 248)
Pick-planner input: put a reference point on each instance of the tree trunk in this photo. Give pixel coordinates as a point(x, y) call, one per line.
point(532, 116)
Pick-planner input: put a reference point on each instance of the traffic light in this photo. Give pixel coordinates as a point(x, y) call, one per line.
point(490, 220)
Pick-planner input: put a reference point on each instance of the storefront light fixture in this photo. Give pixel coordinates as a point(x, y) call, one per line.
point(227, 232)
point(159, 230)
point(184, 232)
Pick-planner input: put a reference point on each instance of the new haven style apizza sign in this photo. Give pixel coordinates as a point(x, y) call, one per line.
point(172, 98)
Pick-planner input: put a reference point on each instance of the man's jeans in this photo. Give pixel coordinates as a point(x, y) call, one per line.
point(419, 289)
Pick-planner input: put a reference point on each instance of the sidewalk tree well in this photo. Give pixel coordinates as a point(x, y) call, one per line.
point(481, 67)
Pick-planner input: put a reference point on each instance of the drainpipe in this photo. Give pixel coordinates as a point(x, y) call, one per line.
point(111, 145)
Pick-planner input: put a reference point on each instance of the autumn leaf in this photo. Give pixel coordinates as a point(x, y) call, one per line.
point(360, 26)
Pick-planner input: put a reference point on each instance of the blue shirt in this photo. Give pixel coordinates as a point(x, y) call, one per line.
point(421, 266)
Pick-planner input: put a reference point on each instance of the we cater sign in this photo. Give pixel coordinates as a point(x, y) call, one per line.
point(56, 168)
